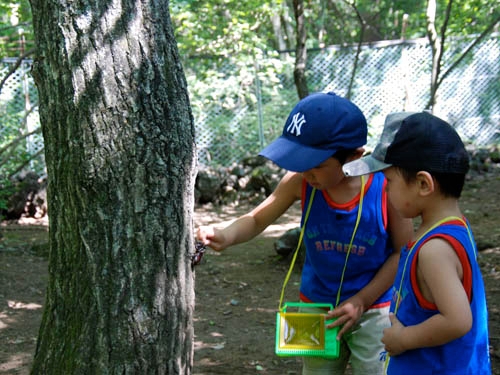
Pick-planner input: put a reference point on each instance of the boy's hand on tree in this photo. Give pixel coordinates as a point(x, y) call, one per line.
point(211, 237)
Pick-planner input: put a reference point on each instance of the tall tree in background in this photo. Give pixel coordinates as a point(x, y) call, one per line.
point(437, 41)
point(362, 28)
point(299, 73)
point(119, 146)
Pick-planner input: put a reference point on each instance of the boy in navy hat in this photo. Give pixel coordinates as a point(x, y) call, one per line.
point(439, 315)
point(352, 249)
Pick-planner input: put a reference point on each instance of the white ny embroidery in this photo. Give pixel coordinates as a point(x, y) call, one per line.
point(296, 124)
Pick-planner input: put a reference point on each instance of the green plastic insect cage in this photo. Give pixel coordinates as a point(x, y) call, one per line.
point(305, 334)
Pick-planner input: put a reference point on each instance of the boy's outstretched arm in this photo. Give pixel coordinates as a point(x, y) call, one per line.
point(348, 313)
point(439, 275)
point(251, 224)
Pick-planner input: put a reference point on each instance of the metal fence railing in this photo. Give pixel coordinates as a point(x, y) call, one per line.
point(240, 105)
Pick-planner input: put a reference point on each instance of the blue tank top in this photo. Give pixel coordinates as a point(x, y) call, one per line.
point(468, 354)
point(327, 236)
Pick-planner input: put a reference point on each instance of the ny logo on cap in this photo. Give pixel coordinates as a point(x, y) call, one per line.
point(296, 124)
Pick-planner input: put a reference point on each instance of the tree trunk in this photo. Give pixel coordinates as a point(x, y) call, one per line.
point(362, 25)
point(279, 34)
point(299, 73)
point(435, 44)
point(119, 148)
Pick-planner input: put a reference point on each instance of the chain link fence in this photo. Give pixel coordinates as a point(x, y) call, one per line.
point(241, 104)
point(21, 142)
point(390, 76)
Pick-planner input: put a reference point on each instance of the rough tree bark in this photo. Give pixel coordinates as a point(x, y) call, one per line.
point(119, 148)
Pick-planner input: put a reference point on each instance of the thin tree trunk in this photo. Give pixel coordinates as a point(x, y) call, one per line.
point(362, 25)
point(299, 73)
point(278, 29)
point(119, 148)
point(437, 47)
point(437, 43)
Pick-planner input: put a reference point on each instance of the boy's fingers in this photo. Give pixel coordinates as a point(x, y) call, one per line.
point(392, 318)
point(343, 329)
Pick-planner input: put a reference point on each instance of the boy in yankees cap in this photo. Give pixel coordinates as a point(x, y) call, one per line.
point(352, 235)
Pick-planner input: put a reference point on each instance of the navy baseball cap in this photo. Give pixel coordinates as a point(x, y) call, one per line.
point(320, 125)
point(414, 141)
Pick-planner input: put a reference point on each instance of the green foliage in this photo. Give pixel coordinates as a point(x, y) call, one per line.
point(239, 34)
point(469, 17)
point(6, 190)
point(221, 27)
point(239, 31)
point(16, 31)
point(232, 26)
point(227, 87)
point(16, 37)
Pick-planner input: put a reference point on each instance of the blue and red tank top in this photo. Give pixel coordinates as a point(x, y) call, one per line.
point(327, 236)
point(468, 354)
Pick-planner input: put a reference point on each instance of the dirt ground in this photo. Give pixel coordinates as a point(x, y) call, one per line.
point(237, 291)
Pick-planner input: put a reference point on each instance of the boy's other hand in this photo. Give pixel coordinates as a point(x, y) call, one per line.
point(347, 314)
point(393, 335)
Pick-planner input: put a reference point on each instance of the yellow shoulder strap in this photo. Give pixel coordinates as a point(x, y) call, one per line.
point(297, 249)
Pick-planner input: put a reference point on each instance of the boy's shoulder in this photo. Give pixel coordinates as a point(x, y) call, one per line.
point(451, 235)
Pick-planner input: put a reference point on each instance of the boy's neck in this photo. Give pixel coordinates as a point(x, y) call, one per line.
point(437, 210)
point(346, 190)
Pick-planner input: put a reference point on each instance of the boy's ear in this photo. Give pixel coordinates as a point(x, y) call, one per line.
point(425, 183)
point(356, 154)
